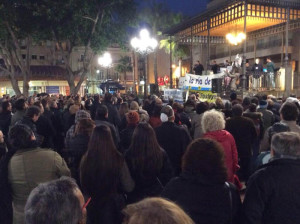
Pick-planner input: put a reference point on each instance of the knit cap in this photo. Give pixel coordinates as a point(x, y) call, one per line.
point(82, 114)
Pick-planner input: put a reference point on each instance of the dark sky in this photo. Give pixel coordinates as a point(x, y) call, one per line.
point(186, 7)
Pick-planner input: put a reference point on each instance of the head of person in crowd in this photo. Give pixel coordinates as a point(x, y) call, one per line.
point(81, 114)
point(123, 109)
point(6, 107)
point(254, 100)
point(289, 112)
point(190, 103)
point(212, 121)
point(53, 104)
point(156, 110)
point(100, 178)
point(212, 106)
point(219, 103)
point(177, 107)
point(101, 112)
point(21, 137)
point(33, 113)
point(30, 100)
point(132, 118)
point(59, 201)
point(285, 144)
point(233, 96)
point(277, 128)
point(246, 102)
point(155, 211)
point(39, 105)
point(21, 104)
point(204, 158)
point(73, 109)
point(167, 114)
point(158, 102)
point(228, 106)
point(193, 97)
point(263, 104)
point(145, 154)
point(45, 103)
point(108, 98)
point(134, 105)
point(202, 107)
point(84, 127)
point(237, 110)
point(252, 107)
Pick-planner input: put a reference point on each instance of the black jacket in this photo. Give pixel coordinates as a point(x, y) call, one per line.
point(273, 193)
point(113, 114)
point(45, 128)
point(125, 137)
point(205, 201)
point(244, 133)
point(174, 140)
point(113, 130)
point(5, 119)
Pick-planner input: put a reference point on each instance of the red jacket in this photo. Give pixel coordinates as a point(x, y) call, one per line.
point(230, 151)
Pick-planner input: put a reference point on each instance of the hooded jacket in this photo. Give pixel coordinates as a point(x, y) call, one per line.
point(230, 151)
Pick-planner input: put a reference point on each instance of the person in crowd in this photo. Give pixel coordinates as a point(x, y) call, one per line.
point(69, 118)
point(144, 116)
point(30, 118)
point(227, 111)
point(30, 101)
point(123, 110)
point(196, 129)
point(198, 68)
point(3, 147)
point(270, 74)
point(29, 166)
point(5, 117)
point(104, 177)
point(102, 119)
point(133, 119)
point(57, 122)
point(265, 156)
point(47, 112)
point(44, 128)
point(289, 114)
point(213, 124)
point(181, 118)
point(155, 210)
point(79, 145)
point(219, 104)
point(272, 194)
point(189, 108)
point(154, 120)
point(215, 67)
point(172, 138)
point(257, 70)
point(21, 107)
point(148, 163)
point(113, 115)
point(80, 114)
point(58, 201)
point(95, 105)
point(201, 189)
point(244, 133)
point(246, 103)
point(268, 116)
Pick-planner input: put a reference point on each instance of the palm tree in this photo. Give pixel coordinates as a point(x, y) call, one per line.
point(124, 65)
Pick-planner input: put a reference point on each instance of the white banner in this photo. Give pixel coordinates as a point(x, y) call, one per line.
point(197, 82)
point(176, 94)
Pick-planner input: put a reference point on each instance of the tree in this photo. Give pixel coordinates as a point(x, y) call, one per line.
point(16, 24)
point(124, 65)
point(159, 17)
point(93, 24)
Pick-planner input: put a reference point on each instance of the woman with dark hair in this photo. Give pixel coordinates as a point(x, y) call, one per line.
point(104, 176)
point(5, 117)
point(29, 166)
point(155, 117)
point(196, 129)
point(79, 145)
point(201, 189)
point(148, 164)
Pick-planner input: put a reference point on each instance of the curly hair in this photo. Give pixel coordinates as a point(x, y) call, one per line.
point(212, 121)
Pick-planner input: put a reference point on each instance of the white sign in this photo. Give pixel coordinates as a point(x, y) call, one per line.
point(176, 94)
point(197, 82)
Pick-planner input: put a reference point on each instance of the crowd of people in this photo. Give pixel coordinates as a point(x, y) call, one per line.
point(118, 159)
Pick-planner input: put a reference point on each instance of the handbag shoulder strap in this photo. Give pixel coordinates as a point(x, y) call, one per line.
point(230, 200)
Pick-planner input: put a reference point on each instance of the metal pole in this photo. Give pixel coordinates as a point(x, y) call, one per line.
point(145, 76)
point(245, 48)
point(288, 69)
point(208, 45)
point(191, 51)
point(282, 49)
point(171, 71)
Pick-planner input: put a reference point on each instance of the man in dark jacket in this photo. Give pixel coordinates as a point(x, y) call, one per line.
point(244, 133)
point(113, 114)
point(5, 117)
point(172, 138)
point(273, 192)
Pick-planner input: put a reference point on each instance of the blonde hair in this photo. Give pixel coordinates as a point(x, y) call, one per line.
point(212, 121)
point(155, 211)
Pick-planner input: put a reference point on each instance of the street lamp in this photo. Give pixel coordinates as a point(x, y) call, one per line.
point(105, 61)
point(144, 45)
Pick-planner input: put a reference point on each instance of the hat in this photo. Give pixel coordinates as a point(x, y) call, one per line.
point(82, 114)
point(132, 117)
point(263, 104)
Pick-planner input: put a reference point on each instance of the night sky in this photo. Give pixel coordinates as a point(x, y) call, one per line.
point(186, 7)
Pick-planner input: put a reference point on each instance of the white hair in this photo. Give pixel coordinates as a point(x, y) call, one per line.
point(212, 121)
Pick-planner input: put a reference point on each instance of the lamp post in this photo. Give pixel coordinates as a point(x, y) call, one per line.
point(144, 45)
point(105, 61)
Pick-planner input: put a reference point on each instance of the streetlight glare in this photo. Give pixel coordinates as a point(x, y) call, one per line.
point(144, 34)
point(105, 60)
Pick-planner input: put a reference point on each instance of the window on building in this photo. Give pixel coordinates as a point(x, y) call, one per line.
point(34, 57)
point(42, 57)
point(24, 56)
point(81, 57)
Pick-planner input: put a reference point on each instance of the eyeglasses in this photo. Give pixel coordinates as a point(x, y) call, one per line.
point(86, 203)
